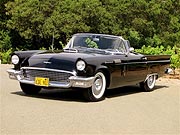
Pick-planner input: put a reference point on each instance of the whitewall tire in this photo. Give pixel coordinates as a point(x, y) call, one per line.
point(96, 92)
point(149, 84)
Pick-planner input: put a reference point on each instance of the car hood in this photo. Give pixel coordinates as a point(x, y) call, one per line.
point(61, 61)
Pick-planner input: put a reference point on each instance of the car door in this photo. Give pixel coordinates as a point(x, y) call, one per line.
point(131, 70)
point(136, 68)
point(119, 75)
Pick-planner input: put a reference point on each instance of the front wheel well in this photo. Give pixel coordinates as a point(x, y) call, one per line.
point(107, 75)
point(155, 74)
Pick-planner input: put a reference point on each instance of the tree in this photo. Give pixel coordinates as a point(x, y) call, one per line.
point(143, 22)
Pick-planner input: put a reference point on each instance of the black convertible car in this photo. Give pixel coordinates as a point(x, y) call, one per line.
point(90, 62)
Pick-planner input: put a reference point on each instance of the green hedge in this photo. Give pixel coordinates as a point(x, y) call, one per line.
point(6, 57)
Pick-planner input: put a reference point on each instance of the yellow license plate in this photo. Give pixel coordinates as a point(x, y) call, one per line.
point(39, 81)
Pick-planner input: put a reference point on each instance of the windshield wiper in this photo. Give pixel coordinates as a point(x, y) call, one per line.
point(70, 50)
point(95, 50)
point(80, 47)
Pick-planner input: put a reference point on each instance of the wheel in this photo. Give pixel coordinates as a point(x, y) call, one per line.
point(30, 89)
point(96, 92)
point(149, 84)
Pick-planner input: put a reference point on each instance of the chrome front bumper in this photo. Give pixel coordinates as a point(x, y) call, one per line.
point(74, 81)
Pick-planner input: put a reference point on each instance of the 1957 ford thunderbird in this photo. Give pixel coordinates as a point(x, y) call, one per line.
point(90, 62)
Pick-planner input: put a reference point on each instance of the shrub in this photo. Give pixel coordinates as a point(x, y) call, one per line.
point(5, 47)
point(6, 56)
point(5, 41)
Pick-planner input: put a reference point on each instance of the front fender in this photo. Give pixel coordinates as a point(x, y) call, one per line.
point(23, 55)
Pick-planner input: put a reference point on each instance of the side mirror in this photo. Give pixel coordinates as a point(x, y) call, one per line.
point(131, 49)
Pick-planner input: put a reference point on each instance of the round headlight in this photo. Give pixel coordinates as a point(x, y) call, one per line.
point(80, 65)
point(15, 59)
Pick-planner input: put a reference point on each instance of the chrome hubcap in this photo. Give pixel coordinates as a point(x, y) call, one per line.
point(98, 84)
point(151, 81)
point(97, 87)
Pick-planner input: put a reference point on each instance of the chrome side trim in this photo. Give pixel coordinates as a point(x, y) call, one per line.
point(147, 62)
point(159, 61)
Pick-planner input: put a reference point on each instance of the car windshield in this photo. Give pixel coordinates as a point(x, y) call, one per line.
point(96, 41)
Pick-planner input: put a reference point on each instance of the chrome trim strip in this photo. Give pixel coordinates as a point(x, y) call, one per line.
point(142, 62)
point(139, 62)
point(70, 50)
point(47, 62)
point(48, 69)
point(159, 61)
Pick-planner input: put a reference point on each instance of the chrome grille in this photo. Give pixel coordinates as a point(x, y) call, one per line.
point(30, 74)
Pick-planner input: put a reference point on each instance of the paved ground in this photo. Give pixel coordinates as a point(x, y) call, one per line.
point(124, 111)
